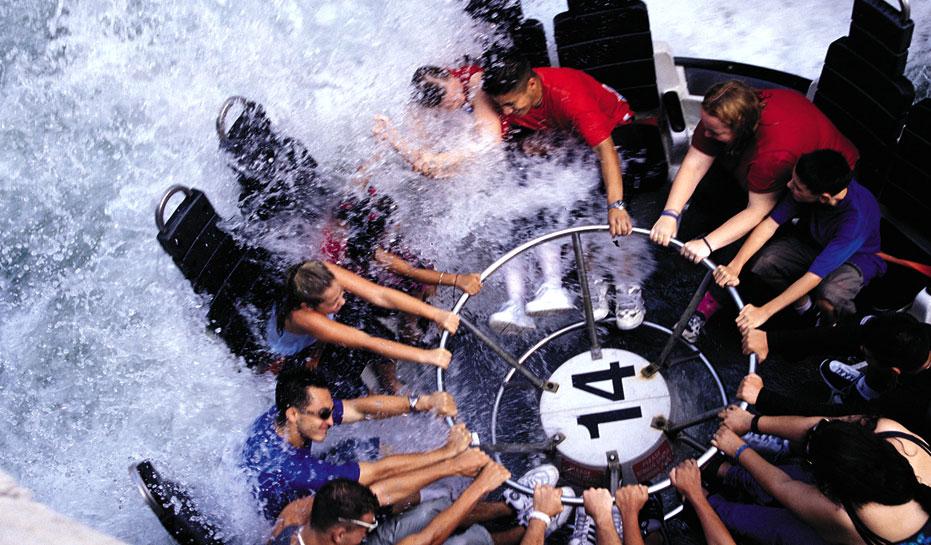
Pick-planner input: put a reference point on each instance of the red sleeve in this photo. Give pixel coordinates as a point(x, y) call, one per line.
point(588, 119)
point(770, 172)
point(704, 144)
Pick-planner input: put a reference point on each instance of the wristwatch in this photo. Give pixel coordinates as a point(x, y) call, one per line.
point(619, 204)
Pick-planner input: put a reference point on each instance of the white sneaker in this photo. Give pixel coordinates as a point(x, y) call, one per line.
point(839, 376)
point(694, 328)
point(768, 446)
point(549, 299)
point(599, 293)
point(629, 308)
point(546, 474)
point(511, 320)
point(583, 529)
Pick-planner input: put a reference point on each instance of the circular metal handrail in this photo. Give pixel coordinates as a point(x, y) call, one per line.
point(513, 253)
point(160, 209)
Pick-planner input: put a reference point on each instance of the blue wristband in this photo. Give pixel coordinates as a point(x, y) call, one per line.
point(740, 450)
point(669, 212)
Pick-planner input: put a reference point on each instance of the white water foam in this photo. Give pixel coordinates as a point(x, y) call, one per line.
point(104, 104)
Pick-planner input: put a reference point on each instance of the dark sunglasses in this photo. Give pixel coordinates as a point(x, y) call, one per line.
point(323, 414)
point(369, 526)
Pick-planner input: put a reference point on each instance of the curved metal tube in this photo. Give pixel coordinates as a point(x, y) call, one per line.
point(224, 109)
point(501, 261)
point(160, 209)
point(906, 10)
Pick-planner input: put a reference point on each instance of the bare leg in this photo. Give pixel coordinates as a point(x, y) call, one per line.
point(549, 256)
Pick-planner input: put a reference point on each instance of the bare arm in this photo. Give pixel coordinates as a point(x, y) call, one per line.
point(330, 331)
point(793, 428)
point(392, 299)
point(470, 283)
point(686, 477)
point(694, 167)
point(803, 499)
point(729, 275)
point(445, 523)
point(618, 220)
point(759, 205)
point(751, 317)
point(377, 406)
point(630, 499)
point(405, 484)
point(390, 466)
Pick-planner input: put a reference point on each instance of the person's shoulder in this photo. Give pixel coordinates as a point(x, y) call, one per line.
point(262, 429)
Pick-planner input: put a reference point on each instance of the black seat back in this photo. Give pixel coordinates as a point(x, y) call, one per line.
point(862, 88)
point(172, 504)
point(907, 193)
point(232, 275)
point(611, 40)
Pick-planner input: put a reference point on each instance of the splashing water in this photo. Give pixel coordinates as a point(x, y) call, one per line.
point(105, 103)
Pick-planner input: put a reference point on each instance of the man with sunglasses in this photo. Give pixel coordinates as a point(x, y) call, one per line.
point(278, 458)
point(344, 512)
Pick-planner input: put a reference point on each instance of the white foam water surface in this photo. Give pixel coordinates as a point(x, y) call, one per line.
point(104, 359)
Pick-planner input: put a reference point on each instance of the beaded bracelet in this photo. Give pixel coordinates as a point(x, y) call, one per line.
point(740, 450)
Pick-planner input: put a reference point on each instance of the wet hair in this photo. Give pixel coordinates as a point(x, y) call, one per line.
point(737, 105)
point(823, 171)
point(505, 72)
point(305, 283)
point(854, 466)
point(291, 390)
point(341, 498)
point(428, 93)
point(897, 339)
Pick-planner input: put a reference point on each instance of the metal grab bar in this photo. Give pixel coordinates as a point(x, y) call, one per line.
point(906, 10)
point(225, 109)
point(160, 209)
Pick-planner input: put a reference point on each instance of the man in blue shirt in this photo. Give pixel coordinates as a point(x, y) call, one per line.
point(277, 455)
point(830, 254)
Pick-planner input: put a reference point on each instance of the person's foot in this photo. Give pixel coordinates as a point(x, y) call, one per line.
point(549, 299)
point(773, 448)
point(694, 328)
point(651, 516)
point(629, 310)
point(511, 320)
point(839, 376)
point(583, 529)
point(545, 474)
point(599, 292)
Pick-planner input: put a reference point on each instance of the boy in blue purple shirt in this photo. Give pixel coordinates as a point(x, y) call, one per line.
point(824, 260)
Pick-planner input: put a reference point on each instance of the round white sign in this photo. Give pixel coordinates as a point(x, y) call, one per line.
point(605, 405)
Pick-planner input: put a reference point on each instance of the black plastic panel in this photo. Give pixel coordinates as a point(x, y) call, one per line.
point(530, 40)
point(872, 49)
point(884, 22)
point(570, 29)
point(607, 51)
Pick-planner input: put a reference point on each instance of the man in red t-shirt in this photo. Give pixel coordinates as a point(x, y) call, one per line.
point(547, 99)
point(543, 99)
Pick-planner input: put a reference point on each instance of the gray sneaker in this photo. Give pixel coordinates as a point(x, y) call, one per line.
point(694, 328)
